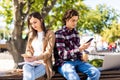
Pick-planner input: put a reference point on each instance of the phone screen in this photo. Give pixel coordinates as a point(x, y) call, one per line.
point(89, 40)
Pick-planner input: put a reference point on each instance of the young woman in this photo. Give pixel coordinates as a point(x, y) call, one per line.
point(38, 56)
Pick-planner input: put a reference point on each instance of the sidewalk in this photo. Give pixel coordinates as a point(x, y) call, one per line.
point(6, 62)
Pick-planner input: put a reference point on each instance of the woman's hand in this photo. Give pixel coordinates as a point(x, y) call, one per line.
point(29, 59)
point(38, 62)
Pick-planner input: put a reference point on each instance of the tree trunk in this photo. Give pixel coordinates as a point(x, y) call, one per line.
point(16, 45)
point(16, 50)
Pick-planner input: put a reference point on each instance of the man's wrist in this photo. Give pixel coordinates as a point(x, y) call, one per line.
point(80, 49)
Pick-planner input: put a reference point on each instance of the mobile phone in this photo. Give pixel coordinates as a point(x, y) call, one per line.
point(89, 40)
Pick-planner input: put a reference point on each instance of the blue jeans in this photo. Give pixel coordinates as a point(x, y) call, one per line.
point(69, 68)
point(33, 72)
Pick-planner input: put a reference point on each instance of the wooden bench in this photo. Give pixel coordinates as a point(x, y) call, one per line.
point(58, 76)
point(18, 76)
point(110, 75)
point(3, 47)
point(105, 75)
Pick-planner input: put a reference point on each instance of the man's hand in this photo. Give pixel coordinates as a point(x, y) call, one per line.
point(84, 57)
point(84, 46)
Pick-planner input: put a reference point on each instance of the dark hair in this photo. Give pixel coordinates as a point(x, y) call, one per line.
point(69, 14)
point(38, 16)
point(33, 33)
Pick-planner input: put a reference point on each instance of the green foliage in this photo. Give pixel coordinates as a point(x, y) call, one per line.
point(6, 10)
point(5, 33)
point(37, 5)
point(112, 34)
point(95, 20)
point(96, 62)
point(99, 19)
point(55, 16)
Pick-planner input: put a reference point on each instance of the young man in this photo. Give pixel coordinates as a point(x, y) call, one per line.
point(68, 51)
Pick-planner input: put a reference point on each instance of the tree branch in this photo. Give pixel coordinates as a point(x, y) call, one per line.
point(46, 9)
point(45, 3)
point(22, 4)
point(29, 3)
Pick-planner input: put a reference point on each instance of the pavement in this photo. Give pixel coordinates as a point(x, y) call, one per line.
point(6, 62)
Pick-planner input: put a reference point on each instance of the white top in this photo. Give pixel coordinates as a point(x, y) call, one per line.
point(37, 44)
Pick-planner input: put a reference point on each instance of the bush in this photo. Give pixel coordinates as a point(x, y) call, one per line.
point(96, 62)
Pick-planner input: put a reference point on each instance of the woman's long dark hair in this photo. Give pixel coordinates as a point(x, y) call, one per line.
point(32, 32)
point(38, 16)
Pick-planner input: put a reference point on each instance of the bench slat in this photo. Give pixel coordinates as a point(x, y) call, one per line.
point(105, 75)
